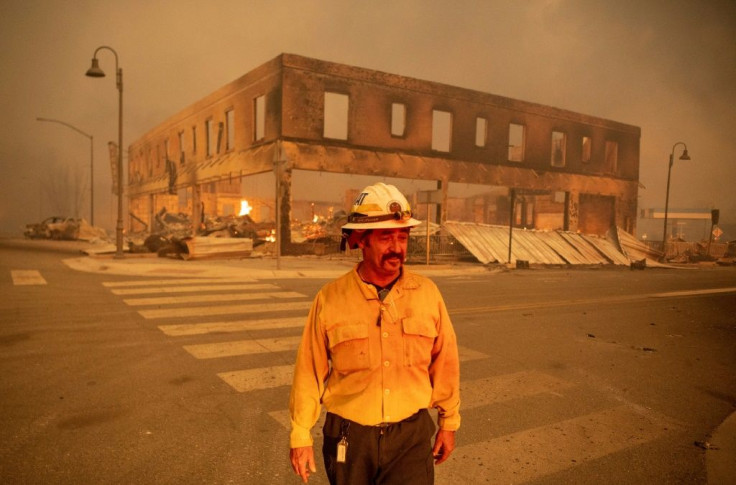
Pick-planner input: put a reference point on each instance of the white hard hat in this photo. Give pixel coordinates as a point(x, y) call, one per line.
point(380, 206)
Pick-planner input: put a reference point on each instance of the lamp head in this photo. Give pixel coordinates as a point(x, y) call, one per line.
point(684, 155)
point(94, 70)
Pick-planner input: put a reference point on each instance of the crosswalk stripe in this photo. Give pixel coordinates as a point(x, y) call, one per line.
point(202, 311)
point(260, 378)
point(242, 347)
point(529, 455)
point(465, 354)
point(506, 387)
point(176, 300)
point(194, 288)
point(27, 277)
point(175, 281)
point(229, 327)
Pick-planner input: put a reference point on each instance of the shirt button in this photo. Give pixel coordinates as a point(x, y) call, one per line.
point(385, 334)
point(387, 391)
point(388, 419)
point(387, 363)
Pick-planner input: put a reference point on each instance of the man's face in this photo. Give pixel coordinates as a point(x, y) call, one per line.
point(384, 250)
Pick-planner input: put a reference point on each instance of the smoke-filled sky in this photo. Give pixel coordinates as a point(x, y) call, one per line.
point(667, 66)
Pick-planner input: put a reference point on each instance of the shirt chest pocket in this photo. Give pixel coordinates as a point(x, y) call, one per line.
point(349, 349)
point(419, 336)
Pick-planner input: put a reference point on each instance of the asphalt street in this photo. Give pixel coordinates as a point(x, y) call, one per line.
point(149, 370)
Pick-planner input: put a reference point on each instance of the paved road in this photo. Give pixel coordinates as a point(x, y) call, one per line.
point(577, 376)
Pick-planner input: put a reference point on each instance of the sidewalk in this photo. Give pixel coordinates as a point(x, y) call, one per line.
point(287, 267)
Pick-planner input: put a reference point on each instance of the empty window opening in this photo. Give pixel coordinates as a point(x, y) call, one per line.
point(230, 125)
point(181, 148)
point(558, 149)
point(481, 132)
point(398, 119)
point(220, 130)
point(612, 156)
point(441, 130)
point(516, 142)
point(209, 131)
point(259, 118)
point(194, 139)
point(336, 116)
point(587, 144)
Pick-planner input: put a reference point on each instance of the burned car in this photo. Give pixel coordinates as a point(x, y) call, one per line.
point(55, 227)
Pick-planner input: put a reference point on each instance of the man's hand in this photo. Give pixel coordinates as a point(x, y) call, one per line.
point(444, 443)
point(302, 461)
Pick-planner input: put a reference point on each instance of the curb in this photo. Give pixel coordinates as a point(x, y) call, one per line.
point(292, 268)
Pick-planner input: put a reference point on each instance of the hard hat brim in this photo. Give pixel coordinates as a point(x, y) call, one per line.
point(390, 224)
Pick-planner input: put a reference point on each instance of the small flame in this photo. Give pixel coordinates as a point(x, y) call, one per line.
point(315, 219)
point(245, 208)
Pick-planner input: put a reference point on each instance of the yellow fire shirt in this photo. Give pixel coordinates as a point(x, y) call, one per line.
point(375, 362)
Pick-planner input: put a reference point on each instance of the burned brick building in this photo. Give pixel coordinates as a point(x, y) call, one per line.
point(565, 170)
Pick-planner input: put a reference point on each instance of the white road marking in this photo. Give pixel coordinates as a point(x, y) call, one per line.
point(195, 288)
point(260, 378)
point(506, 387)
point(242, 347)
point(710, 291)
point(175, 281)
point(465, 354)
point(229, 327)
point(26, 277)
point(202, 311)
point(177, 300)
point(534, 453)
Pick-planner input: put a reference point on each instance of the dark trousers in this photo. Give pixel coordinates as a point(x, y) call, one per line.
point(396, 454)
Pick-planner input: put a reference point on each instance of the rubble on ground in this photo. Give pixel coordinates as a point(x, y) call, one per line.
point(173, 235)
point(64, 229)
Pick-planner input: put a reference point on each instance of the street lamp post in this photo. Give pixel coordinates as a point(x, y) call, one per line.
point(95, 71)
point(91, 165)
point(684, 156)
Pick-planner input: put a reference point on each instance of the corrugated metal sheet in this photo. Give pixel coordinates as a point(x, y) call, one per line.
point(490, 244)
point(562, 247)
point(590, 253)
point(608, 249)
point(635, 249)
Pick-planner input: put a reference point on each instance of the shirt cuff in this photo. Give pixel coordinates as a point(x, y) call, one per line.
point(449, 423)
point(300, 437)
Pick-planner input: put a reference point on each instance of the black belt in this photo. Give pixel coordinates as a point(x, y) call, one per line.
point(384, 425)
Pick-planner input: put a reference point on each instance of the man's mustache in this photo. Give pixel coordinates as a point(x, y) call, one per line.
point(392, 255)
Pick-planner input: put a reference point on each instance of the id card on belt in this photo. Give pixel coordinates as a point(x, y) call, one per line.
point(342, 450)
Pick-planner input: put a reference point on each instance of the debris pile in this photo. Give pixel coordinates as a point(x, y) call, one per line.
point(64, 229)
point(173, 235)
point(321, 229)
